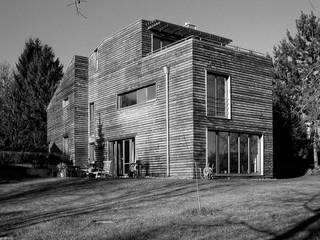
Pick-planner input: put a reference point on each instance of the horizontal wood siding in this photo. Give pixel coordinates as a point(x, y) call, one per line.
point(72, 120)
point(61, 120)
point(251, 96)
point(81, 110)
point(123, 69)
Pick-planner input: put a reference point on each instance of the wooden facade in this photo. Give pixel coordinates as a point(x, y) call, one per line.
point(67, 113)
point(122, 68)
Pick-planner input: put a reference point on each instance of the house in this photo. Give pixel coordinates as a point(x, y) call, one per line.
point(170, 97)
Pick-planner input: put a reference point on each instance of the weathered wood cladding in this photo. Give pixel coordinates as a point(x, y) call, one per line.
point(71, 120)
point(81, 110)
point(124, 64)
point(251, 96)
point(120, 71)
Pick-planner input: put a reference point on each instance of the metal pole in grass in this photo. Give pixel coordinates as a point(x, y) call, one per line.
point(197, 184)
point(196, 170)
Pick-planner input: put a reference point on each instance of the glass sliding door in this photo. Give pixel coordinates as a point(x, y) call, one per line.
point(243, 153)
point(234, 153)
point(122, 154)
point(222, 161)
point(255, 155)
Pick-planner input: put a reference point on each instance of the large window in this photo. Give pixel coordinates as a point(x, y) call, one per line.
point(138, 96)
point(159, 43)
point(234, 153)
point(218, 95)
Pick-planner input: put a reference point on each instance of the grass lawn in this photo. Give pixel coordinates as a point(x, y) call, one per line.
point(160, 209)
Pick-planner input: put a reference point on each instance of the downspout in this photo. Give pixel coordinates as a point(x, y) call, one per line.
point(166, 71)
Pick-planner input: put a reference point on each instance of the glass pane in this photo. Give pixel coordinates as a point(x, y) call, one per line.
point(254, 155)
point(211, 94)
point(128, 99)
point(120, 157)
point(221, 96)
point(211, 149)
point(166, 42)
point(151, 92)
point(142, 95)
point(244, 153)
point(156, 43)
point(126, 155)
point(91, 119)
point(222, 164)
point(233, 153)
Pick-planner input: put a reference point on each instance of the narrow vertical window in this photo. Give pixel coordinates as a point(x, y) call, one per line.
point(65, 102)
point(96, 59)
point(92, 119)
point(65, 146)
point(218, 95)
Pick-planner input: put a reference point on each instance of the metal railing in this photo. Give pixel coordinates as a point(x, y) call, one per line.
point(232, 47)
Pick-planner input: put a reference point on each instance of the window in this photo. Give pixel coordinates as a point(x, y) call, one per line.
point(65, 145)
point(91, 152)
point(96, 59)
point(122, 154)
point(138, 96)
point(92, 119)
point(218, 95)
point(65, 102)
point(234, 153)
point(158, 43)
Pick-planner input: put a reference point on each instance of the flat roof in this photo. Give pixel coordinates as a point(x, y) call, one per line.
point(178, 31)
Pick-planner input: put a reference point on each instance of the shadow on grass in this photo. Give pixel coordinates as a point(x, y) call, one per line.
point(123, 193)
point(310, 225)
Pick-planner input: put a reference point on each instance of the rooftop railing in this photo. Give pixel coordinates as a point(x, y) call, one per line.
point(234, 48)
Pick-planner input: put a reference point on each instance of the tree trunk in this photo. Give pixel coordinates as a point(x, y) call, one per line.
point(315, 155)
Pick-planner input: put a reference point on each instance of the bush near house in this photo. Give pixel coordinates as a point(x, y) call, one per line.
point(20, 165)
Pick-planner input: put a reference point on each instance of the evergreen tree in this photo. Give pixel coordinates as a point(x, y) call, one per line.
point(35, 81)
point(6, 81)
point(297, 80)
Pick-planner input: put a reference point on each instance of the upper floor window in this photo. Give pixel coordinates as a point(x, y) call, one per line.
point(65, 102)
point(158, 43)
point(138, 96)
point(96, 59)
point(218, 95)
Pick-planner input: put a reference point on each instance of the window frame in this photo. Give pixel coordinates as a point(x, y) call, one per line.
point(96, 59)
point(65, 102)
point(91, 119)
point(161, 40)
point(228, 99)
point(260, 152)
point(144, 88)
point(66, 145)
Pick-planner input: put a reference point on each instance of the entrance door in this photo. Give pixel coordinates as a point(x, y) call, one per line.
point(122, 153)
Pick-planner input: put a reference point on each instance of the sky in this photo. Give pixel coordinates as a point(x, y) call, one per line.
point(252, 24)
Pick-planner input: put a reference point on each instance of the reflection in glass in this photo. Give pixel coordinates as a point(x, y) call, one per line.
point(233, 153)
point(254, 154)
point(211, 149)
point(222, 164)
point(244, 153)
